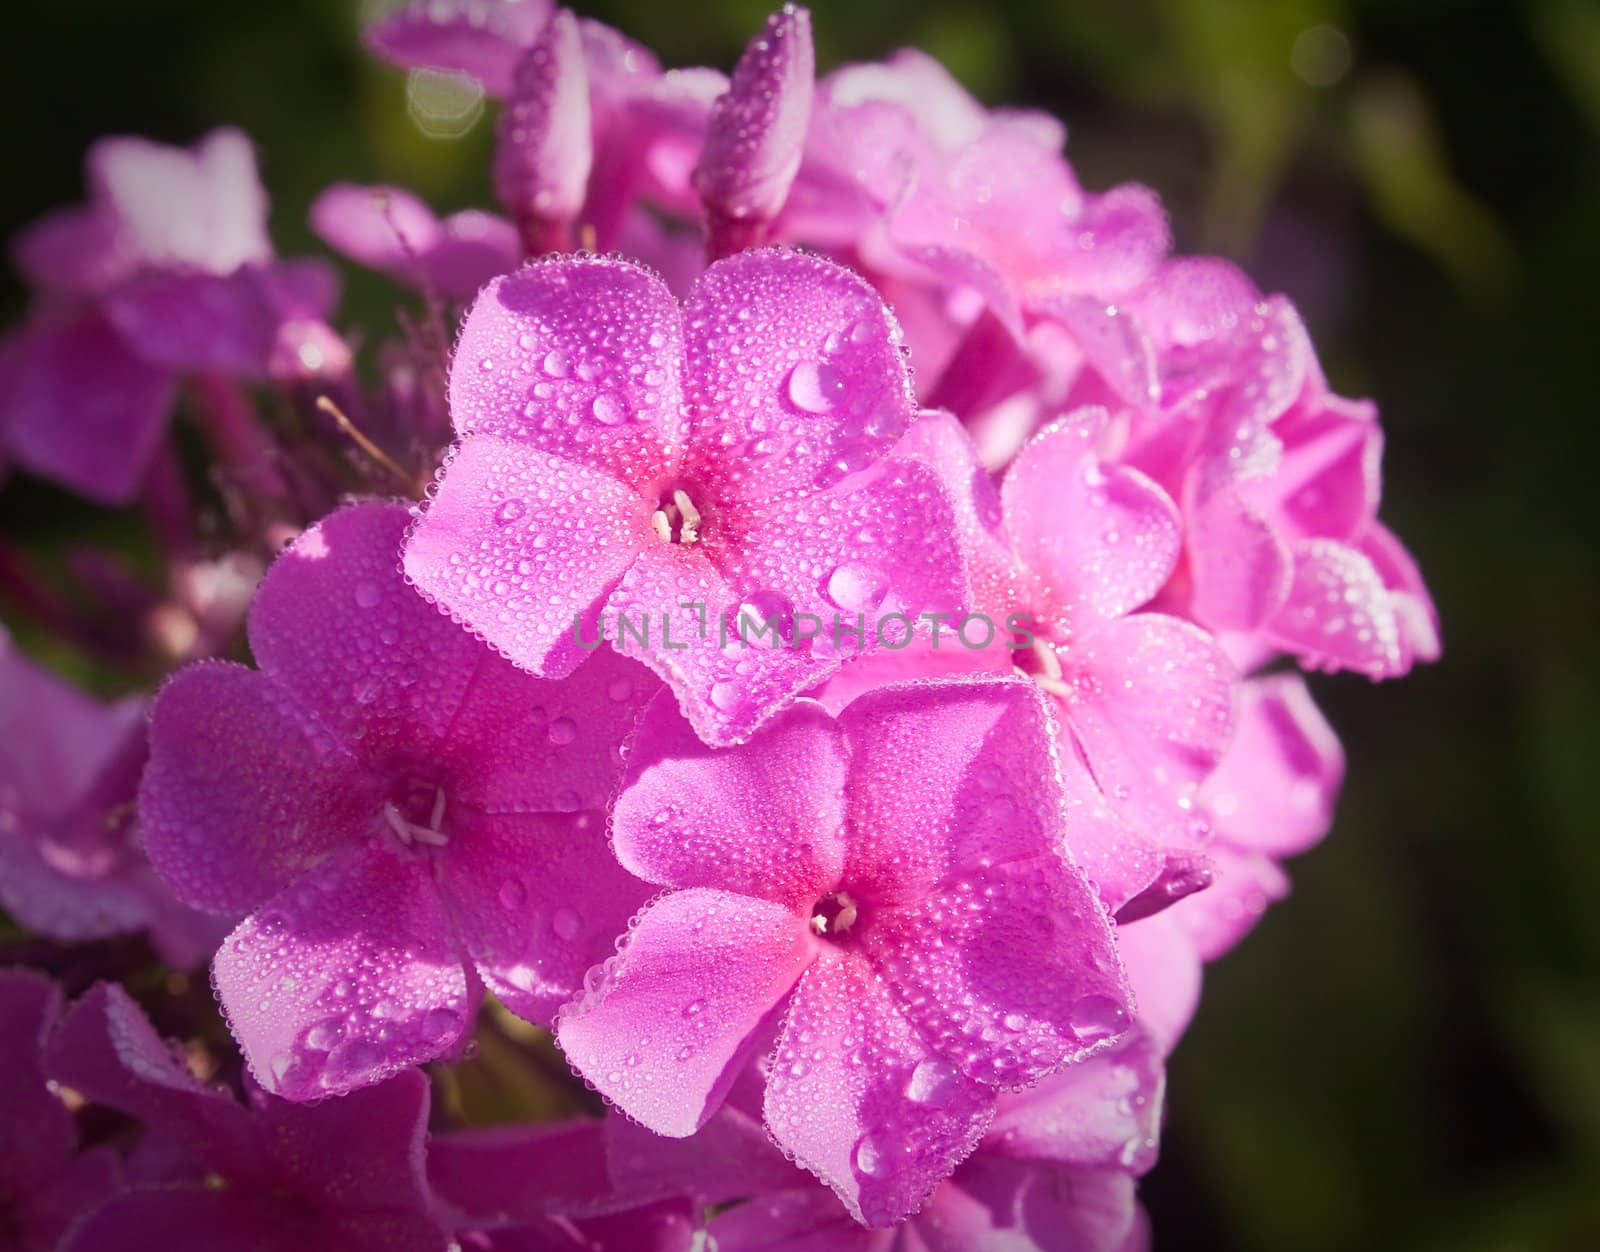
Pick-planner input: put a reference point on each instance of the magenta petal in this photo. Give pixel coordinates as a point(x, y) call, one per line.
point(881, 1134)
point(242, 791)
point(1275, 787)
point(483, 38)
point(809, 1219)
point(1217, 918)
point(1240, 566)
point(689, 614)
point(537, 900)
point(699, 972)
point(50, 1211)
point(1049, 1209)
point(1338, 614)
point(1024, 977)
point(1121, 237)
point(1150, 699)
point(1099, 539)
point(1163, 965)
point(74, 907)
point(186, 1217)
point(39, 1133)
point(544, 146)
point(523, 745)
point(762, 819)
point(335, 626)
point(1415, 616)
point(946, 778)
point(106, 1049)
point(756, 132)
point(82, 408)
point(529, 369)
point(345, 978)
point(1104, 1113)
point(795, 377)
point(1329, 477)
point(525, 546)
point(494, 1176)
point(1114, 344)
point(361, 1152)
point(731, 1157)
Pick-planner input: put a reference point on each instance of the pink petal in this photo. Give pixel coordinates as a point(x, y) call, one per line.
point(729, 1158)
point(528, 368)
point(804, 1220)
point(1164, 966)
point(483, 38)
point(106, 1049)
point(1100, 539)
point(525, 547)
point(537, 899)
point(1217, 918)
point(1150, 700)
point(1240, 565)
point(202, 207)
point(345, 978)
point(1114, 344)
point(522, 745)
point(1338, 614)
point(756, 132)
point(1023, 976)
point(509, 1175)
point(699, 972)
point(794, 377)
point(945, 778)
point(689, 614)
point(70, 252)
point(83, 409)
point(39, 1132)
point(1275, 788)
point(764, 819)
point(882, 1133)
point(336, 628)
point(385, 228)
point(362, 1152)
point(73, 906)
point(1329, 479)
point(1119, 239)
point(243, 792)
point(1415, 615)
point(544, 147)
point(1048, 1209)
point(1103, 1113)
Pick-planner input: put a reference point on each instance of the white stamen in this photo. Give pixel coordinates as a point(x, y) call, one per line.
point(1049, 676)
point(689, 530)
point(431, 837)
point(819, 923)
point(398, 824)
point(846, 916)
point(437, 819)
point(658, 519)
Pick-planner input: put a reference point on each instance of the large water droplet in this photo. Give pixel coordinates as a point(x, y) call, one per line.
point(856, 588)
point(556, 365)
point(509, 511)
point(725, 696)
point(815, 386)
point(933, 1082)
point(609, 409)
point(871, 1159)
point(368, 594)
point(566, 924)
point(513, 895)
point(1094, 1018)
point(562, 731)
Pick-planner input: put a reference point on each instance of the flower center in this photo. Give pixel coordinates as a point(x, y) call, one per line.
point(414, 813)
point(677, 520)
point(834, 914)
point(1042, 665)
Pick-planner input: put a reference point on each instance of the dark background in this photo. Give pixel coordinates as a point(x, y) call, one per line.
point(1407, 1053)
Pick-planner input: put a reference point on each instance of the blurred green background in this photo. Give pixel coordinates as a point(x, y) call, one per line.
point(1407, 1054)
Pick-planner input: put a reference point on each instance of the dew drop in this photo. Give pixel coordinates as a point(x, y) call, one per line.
point(815, 387)
point(368, 595)
point(694, 1008)
point(566, 924)
point(562, 731)
point(556, 365)
point(933, 1082)
point(856, 588)
point(609, 409)
point(513, 895)
point(620, 689)
point(725, 696)
point(870, 1157)
point(509, 511)
point(1094, 1018)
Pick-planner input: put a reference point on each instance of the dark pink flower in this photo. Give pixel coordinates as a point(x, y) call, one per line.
point(338, 1176)
point(400, 811)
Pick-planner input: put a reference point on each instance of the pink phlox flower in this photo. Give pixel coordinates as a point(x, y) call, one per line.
point(399, 811)
point(339, 1174)
point(1061, 557)
point(46, 1182)
point(70, 866)
point(390, 230)
point(894, 888)
point(167, 269)
point(664, 474)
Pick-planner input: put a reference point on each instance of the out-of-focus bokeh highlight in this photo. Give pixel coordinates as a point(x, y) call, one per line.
point(1406, 1055)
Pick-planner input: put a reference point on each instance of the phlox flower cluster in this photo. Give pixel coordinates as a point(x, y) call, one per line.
point(735, 724)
